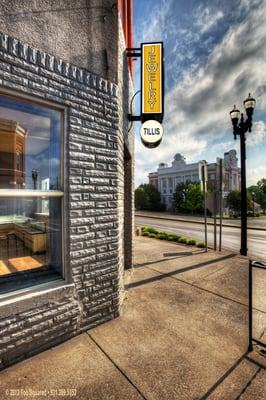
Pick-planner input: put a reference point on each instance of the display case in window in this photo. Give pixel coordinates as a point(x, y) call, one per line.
point(31, 194)
point(12, 154)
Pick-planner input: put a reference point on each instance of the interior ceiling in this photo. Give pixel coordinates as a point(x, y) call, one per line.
point(38, 129)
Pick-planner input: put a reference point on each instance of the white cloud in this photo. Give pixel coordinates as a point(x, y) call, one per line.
point(258, 134)
point(223, 146)
point(255, 174)
point(153, 27)
point(197, 108)
point(206, 18)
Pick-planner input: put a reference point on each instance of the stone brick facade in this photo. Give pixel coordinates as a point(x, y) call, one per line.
point(83, 32)
point(94, 214)
point(126, 151)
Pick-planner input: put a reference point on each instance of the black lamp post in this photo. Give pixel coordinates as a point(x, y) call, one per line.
point(253, 199)
point(240, 128)
point(34, 175)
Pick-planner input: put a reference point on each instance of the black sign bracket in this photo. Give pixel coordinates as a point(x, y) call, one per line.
point(133, 52)
point(134, 117)
point(131, 117)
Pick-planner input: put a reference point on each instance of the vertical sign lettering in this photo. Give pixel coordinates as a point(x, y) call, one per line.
point(152, 84)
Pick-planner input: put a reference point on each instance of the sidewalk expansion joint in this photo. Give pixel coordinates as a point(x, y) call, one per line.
point(117, 367)
point(248, 384)
point(257, 363)
point(169, 274)
point(223, 377)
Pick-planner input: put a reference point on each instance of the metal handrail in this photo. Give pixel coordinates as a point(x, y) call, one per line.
point(260, 265)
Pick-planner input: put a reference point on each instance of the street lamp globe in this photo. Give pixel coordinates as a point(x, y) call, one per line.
point(249, 105)
point(235, 114)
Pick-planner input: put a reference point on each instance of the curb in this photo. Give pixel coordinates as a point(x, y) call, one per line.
point(198, 222)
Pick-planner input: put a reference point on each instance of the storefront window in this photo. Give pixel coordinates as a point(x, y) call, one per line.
point(30, 194)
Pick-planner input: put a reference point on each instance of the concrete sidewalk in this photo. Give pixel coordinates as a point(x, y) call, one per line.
point(182, 335)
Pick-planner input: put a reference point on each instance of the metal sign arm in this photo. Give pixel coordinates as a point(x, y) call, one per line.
point(133, 52)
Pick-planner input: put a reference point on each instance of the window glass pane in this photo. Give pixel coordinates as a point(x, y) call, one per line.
point(30, 241)
point(30, 148)
point(30, 227)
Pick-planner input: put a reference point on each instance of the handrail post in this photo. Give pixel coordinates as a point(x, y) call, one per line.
point(250, 347)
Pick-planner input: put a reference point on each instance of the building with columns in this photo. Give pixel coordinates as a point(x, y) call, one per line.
point(167, 177)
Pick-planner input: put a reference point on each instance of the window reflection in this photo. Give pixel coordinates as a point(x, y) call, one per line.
point(30, 234)
point(29, 145)
point(30, 158)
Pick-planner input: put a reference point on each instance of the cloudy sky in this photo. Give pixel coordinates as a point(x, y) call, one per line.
point(215, 54)
point(42, 141)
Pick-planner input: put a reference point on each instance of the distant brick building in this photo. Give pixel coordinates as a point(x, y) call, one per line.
point(66, 233)
point(166, 178)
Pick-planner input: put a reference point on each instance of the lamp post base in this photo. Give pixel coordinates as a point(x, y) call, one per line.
point(243, 252)
point(250, 348)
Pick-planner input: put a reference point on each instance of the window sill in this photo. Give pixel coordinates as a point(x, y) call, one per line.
point(24, 299)
point(30, 193)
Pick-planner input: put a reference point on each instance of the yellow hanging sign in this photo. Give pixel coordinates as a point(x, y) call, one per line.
point(152, 79)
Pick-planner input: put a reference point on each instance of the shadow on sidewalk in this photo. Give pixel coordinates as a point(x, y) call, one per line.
point(246, 357)
point(172, 255)
point(183, 253)
point(223, 377)
point(175, 272)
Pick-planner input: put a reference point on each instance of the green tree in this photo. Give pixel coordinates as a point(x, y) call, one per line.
point(262, 185)
point(262, 193)
point(179, 196)
point(258, 192)
point(233, 201)
point(188, 198)
point(147, 197)
point(141, 199)
point(194, 199)
point(254, 191)
point(263, 202)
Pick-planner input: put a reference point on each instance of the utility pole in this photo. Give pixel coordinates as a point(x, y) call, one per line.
point(203, 175)
point(215, 220)
point(205, 207)
point(221, 201)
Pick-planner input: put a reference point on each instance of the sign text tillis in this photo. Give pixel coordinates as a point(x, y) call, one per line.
point(151, 133)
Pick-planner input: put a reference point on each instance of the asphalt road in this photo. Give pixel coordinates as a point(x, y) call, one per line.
point(230, 235)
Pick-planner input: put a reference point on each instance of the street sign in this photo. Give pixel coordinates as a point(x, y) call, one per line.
point(203, 172)
point(203, 186)
point(203, 177)
point(151, 133)
point(220, 174)
point(152, 81)
point(214, 202)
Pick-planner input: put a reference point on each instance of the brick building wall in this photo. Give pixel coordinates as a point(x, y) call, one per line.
point(126, 192)
point(95, 136)
point(82, 32)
